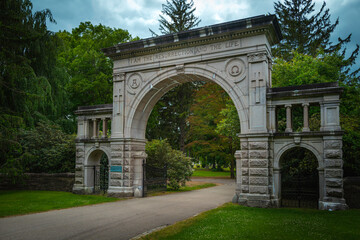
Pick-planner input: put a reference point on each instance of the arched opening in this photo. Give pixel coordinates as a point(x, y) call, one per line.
point(97, 172)
point(299, 178)
point(160, 85)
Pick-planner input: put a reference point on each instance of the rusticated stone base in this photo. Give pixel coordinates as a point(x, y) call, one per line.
point(120, 192)
point(261, 201)
point(333, 205)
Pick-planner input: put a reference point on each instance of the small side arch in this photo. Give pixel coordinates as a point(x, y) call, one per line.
point(95, 153)
point(289, 146)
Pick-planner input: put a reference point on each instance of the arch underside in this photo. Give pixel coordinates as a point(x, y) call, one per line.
point(160, 84)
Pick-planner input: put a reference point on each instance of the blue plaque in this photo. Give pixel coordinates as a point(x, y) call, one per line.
point(116, 169)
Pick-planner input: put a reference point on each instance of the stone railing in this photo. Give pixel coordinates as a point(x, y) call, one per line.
point(325, 95)
point(94, 122)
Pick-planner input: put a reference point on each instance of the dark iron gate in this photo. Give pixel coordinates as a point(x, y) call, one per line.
point(154, 178)
point(101, 175)
point(300, 191)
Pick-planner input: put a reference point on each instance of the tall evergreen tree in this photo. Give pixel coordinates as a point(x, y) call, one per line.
point(306, 30)
point(178, 15)
point(168, 118)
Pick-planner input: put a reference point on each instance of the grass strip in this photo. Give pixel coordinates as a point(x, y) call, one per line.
point(208, 173)
point(16, 202)
point(182, 189)
point(232, 221)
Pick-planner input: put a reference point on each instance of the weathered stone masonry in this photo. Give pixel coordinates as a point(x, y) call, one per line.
point(237, 56)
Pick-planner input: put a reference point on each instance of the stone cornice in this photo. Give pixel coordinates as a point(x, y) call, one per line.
point(267, 25)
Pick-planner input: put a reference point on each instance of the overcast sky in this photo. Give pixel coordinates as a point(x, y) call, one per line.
point(137, 16)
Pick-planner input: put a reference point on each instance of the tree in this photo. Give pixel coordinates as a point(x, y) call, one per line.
point(304, 31)
point(178, 16)
point(90, 71)
point(229, 126)
point(204, 140)
point(179, 168)
point(168, 118)
point(31, 80)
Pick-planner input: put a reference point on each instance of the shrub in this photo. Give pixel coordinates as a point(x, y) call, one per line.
point(179, 168)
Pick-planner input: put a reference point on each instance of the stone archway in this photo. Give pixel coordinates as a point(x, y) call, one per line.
point(299, 177)
point(237, 56)
point(96, 170)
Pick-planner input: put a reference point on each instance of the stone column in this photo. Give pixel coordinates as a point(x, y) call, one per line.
point(288, 118)
point(306, 117)
point(104, 133)
point(94, 128)
point(86, 128)
point(272, 118)
point(276, 187)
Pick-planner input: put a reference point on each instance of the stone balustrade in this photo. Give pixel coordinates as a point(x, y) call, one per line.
point(93, 122)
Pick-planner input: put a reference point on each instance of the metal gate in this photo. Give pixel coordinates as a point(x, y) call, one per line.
point(300, 191)
point(154, 178)
point(101, 178)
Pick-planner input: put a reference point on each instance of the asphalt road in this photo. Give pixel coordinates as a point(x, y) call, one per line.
point(117, 220)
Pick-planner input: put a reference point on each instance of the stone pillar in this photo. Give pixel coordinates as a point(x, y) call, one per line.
point(254, 169)
point(333, 196)
point(104, 133)
point(276, 186)
point(272, 118)
point(126, 167)
point(94, 128)
point(117, 123)
point(288, 118)
point(86, 128)
point(330, 117)
point(306, 117)
point(79, 168)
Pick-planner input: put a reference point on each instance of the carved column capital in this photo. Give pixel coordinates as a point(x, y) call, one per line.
point(118, 77)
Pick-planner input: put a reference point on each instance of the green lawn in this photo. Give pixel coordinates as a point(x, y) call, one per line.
point(182, 189)
point(237, 222)
point(23, 202)
point(209, 173)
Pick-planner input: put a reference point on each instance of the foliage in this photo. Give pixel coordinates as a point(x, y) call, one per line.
point(229, 126)
point(350, 124)
point(30, 77)
point(304, 30)
point(169, 116)
point(204, 141)
point(298, 162)
point(177, 16)
point(168, 119)
point(49, 150)
point(232, 221)
point(24, 202)
point(90, 71)
point(305, 69)
point(179, 170)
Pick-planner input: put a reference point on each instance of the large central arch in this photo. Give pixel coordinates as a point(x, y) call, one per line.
point(236, 56)
point(169, 78)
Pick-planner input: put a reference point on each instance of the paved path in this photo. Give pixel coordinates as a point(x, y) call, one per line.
point(116, 220)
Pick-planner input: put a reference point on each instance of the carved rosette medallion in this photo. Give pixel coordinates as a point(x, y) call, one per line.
point(134, 82)
point(235, 69)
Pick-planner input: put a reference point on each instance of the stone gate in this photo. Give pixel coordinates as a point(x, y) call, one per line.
point(237, 56)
